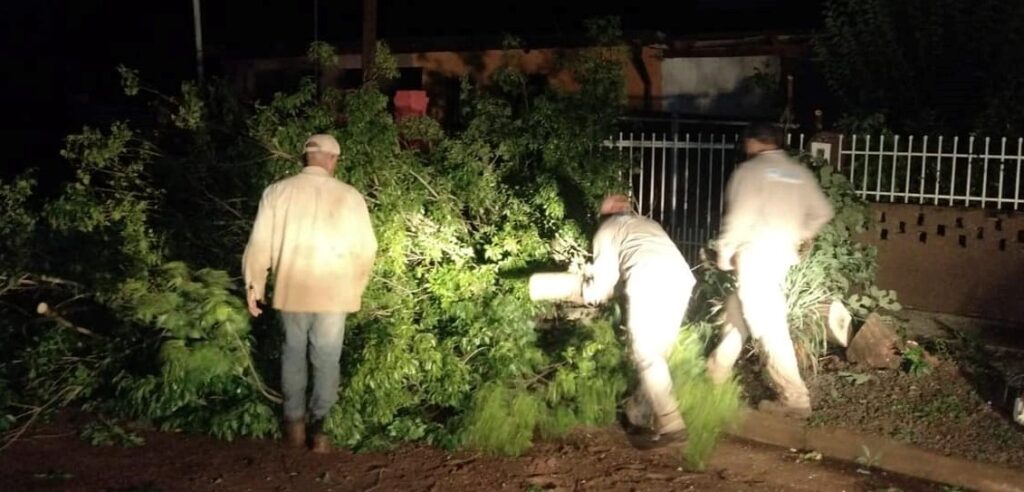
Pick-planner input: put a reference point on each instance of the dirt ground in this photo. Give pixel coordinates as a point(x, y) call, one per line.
point(55, 458)
point(958, 408)
point(950, 409)
point(943, 411)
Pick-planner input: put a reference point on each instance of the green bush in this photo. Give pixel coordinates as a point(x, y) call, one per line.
point(139, 254)
point(150, 325)
point(707, 409)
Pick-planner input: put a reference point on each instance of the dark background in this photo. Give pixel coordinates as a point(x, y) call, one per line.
point(61, 56)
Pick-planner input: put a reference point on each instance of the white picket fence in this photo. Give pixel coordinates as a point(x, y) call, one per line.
point(967, 172)
point(679, 179)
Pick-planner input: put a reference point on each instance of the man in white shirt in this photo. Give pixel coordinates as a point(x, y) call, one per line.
point(314, 233)
point(635, 254)
point(774, 204)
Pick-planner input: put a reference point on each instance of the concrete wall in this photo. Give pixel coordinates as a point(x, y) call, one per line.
point(957, 261)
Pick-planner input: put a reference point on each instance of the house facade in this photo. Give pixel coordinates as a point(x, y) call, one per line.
point(714, 77)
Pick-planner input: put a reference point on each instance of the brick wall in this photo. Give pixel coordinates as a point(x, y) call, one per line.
point(957, 261)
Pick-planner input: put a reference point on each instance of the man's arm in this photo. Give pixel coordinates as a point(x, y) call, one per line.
point(819, 211)
point(604, 271)
point(735, 224)
point(366, 243)
point(256, 260)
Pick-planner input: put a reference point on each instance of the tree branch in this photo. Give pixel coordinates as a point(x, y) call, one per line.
point(44, 310)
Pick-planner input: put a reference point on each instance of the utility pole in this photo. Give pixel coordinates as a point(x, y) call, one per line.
point(198, 22)
point(369, 36)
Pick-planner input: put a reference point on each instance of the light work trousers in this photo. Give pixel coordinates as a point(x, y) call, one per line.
point(655, 308)
point(758, 310)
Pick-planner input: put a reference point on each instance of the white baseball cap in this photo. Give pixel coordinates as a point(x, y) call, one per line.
point(322, 142)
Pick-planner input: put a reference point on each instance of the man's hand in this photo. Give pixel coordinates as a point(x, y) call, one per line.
point(805, 249)
point(254, 309)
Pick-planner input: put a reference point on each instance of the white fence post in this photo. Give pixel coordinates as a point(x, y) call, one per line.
point(822, 150)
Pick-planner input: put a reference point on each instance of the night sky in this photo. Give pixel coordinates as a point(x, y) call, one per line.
point(61, 55)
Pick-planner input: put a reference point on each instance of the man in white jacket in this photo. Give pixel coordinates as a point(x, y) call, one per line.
point(314, 233)
point(774, 205)
point(634, 254)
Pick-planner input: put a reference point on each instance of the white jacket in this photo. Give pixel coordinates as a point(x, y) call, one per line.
point(772, 199)
point(636, 251)
point(314, 232)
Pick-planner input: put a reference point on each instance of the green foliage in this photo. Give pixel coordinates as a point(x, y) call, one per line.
point(109, 202)
point(503, 419)
point(580, 388)
point(17, 224)
point(204, 379)
point(848, 266)
point(447, 348)
point(871, 124)
point(708, 409)
point(129, 80)
point(585, 392)
point(914, 360)
point(926, 65)
point(104, 433)
point(59, 368)
point(385, 65)
point(321, 53)
point(590, 379)
point(190, 108)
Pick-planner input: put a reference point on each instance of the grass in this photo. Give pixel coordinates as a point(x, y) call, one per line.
point(805, 295)
point(708, 409)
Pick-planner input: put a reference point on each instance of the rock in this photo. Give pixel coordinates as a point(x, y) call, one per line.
point(875, 345)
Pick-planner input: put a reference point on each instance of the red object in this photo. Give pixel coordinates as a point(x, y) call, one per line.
point(410, 103)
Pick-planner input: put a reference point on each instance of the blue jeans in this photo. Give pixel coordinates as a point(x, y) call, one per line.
point(323, 334)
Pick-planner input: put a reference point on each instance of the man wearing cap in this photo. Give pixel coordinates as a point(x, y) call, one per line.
point(774, 205)
point(634, 255)
point(314, 233)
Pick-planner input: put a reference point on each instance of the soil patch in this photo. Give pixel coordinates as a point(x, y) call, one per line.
point(956, 408)
point(55, 458)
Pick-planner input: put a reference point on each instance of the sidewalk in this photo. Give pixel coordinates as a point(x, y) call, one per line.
point(883, 453)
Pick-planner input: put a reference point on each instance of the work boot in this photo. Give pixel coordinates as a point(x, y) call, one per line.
point(638, 412)
point(295, 433)
point(649, 439)
point(321, 443)
point(671, 423)
point(782, 410)
point(671, 430)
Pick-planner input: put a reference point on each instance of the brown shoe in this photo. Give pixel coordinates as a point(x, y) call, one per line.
point(295, 433)
point(321, 443)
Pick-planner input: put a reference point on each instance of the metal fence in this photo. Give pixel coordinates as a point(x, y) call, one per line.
point(967, 172)
point(679, 179)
